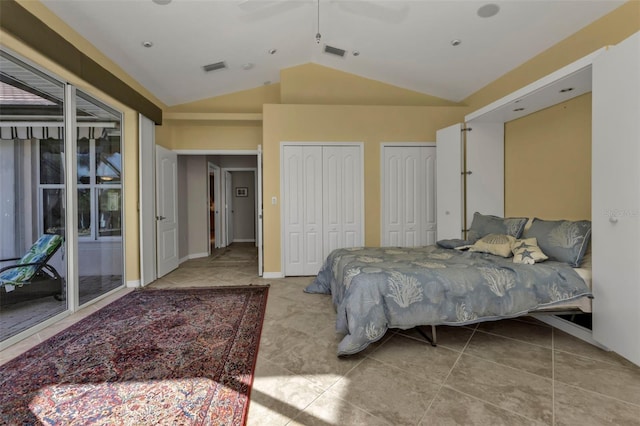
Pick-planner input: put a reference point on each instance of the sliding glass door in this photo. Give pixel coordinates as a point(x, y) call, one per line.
point(32, 212)
point(43, 170)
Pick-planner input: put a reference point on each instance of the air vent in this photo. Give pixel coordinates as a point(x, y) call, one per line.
point(334, 50)
point(213, 67)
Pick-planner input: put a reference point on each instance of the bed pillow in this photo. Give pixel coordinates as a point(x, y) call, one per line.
point(562, 240)
point(482, 225)
point(527, 251)
point(498, 244)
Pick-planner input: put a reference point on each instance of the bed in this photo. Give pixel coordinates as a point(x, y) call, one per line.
point(377, 288)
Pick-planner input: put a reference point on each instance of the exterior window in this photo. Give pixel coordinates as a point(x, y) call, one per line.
point(99, 187)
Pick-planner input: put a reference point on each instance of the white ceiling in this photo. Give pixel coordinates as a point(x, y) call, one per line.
point(404, 43)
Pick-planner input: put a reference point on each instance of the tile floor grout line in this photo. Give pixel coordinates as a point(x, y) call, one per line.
point(444, 381)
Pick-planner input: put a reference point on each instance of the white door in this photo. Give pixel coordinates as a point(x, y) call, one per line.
point(217, 201)
point(228, 194)
point(341, 198)
point(147, 190)
point(485, 169)
point(428, 215)
point(259, 211)
point(449, 182)
point(166, 210)
point(616, 198)
point(408, 202)
point(302, 209)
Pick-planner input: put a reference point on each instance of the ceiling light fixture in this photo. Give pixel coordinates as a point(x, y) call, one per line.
point(318, 36)
point(147, 43)
point(356, 53)
point(162, 2)
point(456, 42)
point(488, 10)
point(272, 51)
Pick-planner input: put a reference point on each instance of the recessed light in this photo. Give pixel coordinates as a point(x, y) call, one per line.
point(488, 10)
point(356, 53)
point(247, 66)
point(568, 89)
point(162, 2)
point(266, 83)
point(147, 43)
point(518, 109)
point(272, 51)
point(456, 42)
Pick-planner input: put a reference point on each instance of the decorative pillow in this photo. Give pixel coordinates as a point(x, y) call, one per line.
point(527, 251)
point(498, 244)
point(482, 225)
point(562, 240)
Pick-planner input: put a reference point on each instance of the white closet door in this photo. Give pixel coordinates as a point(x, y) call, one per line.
point(392, 205)
point(616, 198)
point(408, 204)
point(449, 195)
point(428, 216)
point(342, 197)
point(302, 206)
point(485, 170)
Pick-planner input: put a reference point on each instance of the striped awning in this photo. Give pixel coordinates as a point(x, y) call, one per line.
point(49, 132)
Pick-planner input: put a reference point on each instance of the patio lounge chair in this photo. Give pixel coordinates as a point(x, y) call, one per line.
point(31, 277)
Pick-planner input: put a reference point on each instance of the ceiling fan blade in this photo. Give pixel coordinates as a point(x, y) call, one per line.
point(389, 12)
point(257, 10)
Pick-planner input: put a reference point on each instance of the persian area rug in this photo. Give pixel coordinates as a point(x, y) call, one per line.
point(178, 357)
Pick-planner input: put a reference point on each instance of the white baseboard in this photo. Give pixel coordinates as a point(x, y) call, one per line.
point(198, 255)
point(193, 256)
point(133, 284)
point(272, 275)
point(245, 240)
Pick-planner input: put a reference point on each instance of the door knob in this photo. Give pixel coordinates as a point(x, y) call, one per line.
point(160, 217)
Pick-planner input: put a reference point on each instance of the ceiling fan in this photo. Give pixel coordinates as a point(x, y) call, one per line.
point(382, 11)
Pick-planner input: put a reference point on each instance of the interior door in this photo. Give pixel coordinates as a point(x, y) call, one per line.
point(228, 181)
point(147, 190)
point(616, 198)
point(341, 198)
point(166, 210)
point(449, 186)
point(428, 218)
point(259, 211)
point(485, 170)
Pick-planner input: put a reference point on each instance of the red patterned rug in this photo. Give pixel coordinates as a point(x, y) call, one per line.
point(178, 357)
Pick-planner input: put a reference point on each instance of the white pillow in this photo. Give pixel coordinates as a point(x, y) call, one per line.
point(527, 251)
point(498, 244)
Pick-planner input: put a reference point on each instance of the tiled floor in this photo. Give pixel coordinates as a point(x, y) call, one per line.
point(516, 372)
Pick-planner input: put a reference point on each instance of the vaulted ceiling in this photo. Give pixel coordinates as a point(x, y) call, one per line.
point(446, 48)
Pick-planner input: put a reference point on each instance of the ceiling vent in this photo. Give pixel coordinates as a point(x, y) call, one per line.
point(334, 51)
point(214, 67)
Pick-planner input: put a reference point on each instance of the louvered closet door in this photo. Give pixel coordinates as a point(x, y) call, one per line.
point(409, 217)
point(342, 197)
point(302, 204)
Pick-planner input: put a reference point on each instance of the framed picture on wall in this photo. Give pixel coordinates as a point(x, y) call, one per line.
point(242, 191)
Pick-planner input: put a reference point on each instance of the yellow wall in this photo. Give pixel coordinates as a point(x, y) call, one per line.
point(553, 147)
point(548, 166)
point(240, 102)
point(371, 125)
point(316, 84)
point(207, 135)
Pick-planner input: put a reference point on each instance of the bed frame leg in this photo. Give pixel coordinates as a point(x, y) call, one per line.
point(431, 339)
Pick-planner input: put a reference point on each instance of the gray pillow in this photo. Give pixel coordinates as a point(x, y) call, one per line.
point(562, 240)
point(486, 224)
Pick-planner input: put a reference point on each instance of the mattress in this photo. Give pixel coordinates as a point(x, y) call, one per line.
point(584, 303)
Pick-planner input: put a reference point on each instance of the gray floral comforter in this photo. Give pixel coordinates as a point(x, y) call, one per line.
point(375, 289)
